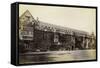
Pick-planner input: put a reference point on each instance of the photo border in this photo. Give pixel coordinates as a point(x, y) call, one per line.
point(58, 5)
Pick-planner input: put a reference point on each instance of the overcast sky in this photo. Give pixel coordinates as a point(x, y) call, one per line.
point(76, 18)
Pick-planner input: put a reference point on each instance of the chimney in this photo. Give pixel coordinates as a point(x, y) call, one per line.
point(37, 19)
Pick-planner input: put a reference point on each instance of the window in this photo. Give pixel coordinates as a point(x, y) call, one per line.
point(56, 38)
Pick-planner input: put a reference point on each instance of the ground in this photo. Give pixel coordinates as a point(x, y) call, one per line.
point(55, 56)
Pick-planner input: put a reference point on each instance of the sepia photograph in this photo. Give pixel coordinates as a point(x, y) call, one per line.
point(56, 33)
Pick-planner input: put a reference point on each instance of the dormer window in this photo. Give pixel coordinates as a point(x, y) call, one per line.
point(28, 17)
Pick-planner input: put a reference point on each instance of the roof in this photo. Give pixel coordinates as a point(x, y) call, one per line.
point(62, 29)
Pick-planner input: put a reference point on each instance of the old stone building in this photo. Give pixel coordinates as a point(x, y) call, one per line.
point(35, 35)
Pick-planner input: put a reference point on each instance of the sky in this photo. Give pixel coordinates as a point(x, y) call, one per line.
point(76, 18)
